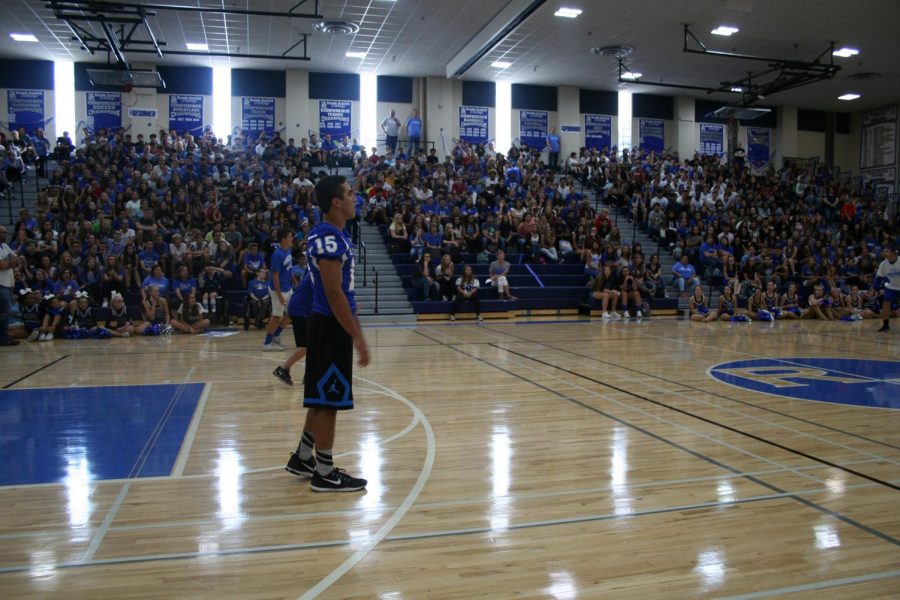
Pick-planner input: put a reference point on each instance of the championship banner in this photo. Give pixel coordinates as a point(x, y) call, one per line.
point(597, 132)
point(25, 109)
point(712, 139)
point(185, 113)
point(878, 145)
point(533, 126)
point(473, 124)
point(652, 134)
point(104, 110)
point(257, 115)
point(334, 118)
point(758, 145)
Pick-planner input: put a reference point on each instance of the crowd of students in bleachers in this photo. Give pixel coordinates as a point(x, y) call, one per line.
point(173, 225)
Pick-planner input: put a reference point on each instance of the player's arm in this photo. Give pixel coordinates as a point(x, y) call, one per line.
point(330, 272)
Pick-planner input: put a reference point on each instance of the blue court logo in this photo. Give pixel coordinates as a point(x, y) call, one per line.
point(852, 381)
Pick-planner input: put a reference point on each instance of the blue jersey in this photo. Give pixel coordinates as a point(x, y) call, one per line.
point(281, 263)
point(301, 300)
point(326, 242)
point(258, 289)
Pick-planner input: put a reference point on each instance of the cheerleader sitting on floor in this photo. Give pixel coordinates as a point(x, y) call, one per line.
point(119, 323)
point(51, 324)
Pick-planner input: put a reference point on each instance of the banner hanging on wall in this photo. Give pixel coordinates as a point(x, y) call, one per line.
point(533, 126)
point(473, 124)
point(598, 132)
point(104, 110)
point(25, 109)
point(878, 147)
point(712, 139)
point(334, 118)
point(257, 116)
point(186, 113)
point(652, 134)
point(758, 145)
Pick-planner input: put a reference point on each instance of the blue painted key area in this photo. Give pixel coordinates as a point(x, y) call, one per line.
point(116, 431)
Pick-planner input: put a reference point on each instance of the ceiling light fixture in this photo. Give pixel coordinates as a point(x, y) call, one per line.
point(356, 54)
point(501, 64)
point(630, 75)
point(737, 89)
point(846, 52)
point(23, 37)
point(569, 13)
point(849, 96)
point(724, 30)
point(197, 47)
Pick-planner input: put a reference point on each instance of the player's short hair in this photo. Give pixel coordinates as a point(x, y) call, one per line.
point(327, 189)
point(283, 233)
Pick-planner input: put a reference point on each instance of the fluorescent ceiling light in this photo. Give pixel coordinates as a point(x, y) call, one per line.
point(569, 13)
point(501, 64)
point(356, 55)
point(630, 75)
point(198, 47)
point(846, 52)
point(737, 89)
point(23, 37)
point(724, 30)
point(848, 97)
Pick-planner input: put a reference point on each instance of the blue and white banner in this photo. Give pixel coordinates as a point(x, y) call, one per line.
point(712, 139)
point(334, 118)
point(758, 145)
point(652, 134)
point(25, 108)
point(104, 110)
point(143, 113)
point(257, 115)
point(597, 132)
point(473, 124)
point(186, 113)
point(533, 126)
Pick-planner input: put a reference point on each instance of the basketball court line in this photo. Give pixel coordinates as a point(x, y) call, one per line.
point(36, 371)
point(711, 404)
point(685, 449)
point(817, 585)
point(422, 535)
point(188, 441)
point(711, 393)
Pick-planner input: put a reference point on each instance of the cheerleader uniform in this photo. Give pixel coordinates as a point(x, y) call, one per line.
point(85, 318)
point(728, 305)
point(771, 303)
point(791, 304)
point(118, 319)
point(32, 317)
point(700, 305)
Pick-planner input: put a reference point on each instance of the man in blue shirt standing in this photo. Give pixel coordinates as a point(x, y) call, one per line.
point(554, 147)
point(413, 134)
point(332, 334)
point(280, 266)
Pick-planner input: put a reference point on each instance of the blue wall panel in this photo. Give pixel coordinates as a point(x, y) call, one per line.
point(257, 82)
point(395, 89)
point(334, 86)
point(186, 80)
point(534, 97)
point(479, 93)
point(26, 74)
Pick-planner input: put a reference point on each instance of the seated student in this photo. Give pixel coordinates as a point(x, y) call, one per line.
point(855, 305)
point(728, 304)
point(837, 302)
point(157, 280)
point(756, 306)
point(212, 282)
point(772, 301)
point(446, 278)
point(155, 307)
point(790, 303)
point(259, 303)
point(189, 318)
point(53, 310)
point(422, 278)
point(605, 290)
point(251, 262)
point(119, 322)
point(182, 286)
point(66, 288)
point(699, 307)
point(82, 322)
point(684, 274)
point(630, 295)
point(31, 311)
point(466, 289)
point(819, 305)
point(498, 272)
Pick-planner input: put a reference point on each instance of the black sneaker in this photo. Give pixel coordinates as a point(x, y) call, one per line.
point(298, 466)
point(283, 374)
point(337, 481)
point(884, 328)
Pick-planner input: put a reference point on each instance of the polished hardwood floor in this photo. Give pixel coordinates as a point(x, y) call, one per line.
point(539, 460)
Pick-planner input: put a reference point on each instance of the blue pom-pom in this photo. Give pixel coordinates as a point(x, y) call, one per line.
point(101, 333)
point(764, 315)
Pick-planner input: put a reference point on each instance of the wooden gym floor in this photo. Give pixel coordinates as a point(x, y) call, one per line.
point(541, 460)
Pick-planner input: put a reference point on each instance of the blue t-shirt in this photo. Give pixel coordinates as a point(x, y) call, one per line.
point(162, 284)
point(326, 242)
point(257, 288)
point(184, 287)
point(148, 259)
point(553, 142)
point(414, 127)
point(254, 262)
point(281, 263)
point(301, 300)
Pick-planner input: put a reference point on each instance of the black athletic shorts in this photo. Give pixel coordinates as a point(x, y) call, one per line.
point(329, 364)
point(299, 324)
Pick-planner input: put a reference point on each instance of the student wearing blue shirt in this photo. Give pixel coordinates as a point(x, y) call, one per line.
point(147, 258)
point(258, 300)
point(183, 285)
point(332, 335)
point(554, 147)
point(413, 133)
point(279, 288)
point(251, 262)
point(298, 311)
